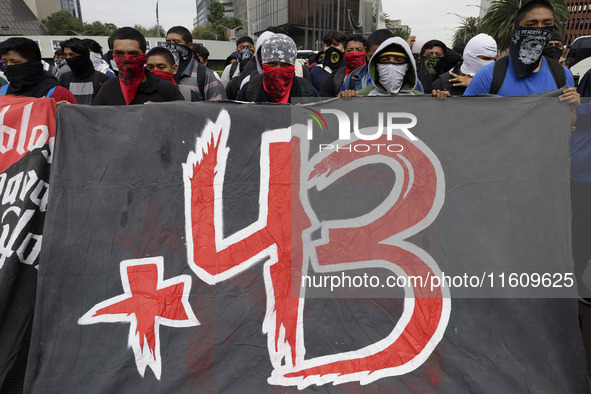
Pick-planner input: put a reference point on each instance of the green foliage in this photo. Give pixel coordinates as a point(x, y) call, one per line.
point(203, 32)
point(466, 31)
point(62, 23)
point(500, 18)
point(150, 31)
point(98, 29)
point(401, 33)
point(218, 23)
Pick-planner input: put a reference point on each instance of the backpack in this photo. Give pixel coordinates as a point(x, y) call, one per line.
point(256, 82)
point(4, 90)
point(201, 71)
point(233, 69)
point(500, 70)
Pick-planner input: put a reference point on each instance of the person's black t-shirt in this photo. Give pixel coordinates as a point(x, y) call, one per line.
point(153, 89)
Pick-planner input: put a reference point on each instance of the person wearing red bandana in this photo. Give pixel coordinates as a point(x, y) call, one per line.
point(135, 84)
point(161, 63)
point(278, 82)
point(355, 57)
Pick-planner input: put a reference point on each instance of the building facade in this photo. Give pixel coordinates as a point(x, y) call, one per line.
point(72, 6)
point(202, 11)
point(579, 23)
point(16, 18)
point(306, 21)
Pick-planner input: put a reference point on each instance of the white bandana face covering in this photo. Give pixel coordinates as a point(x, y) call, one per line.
point(391, 76)
point(481, 45)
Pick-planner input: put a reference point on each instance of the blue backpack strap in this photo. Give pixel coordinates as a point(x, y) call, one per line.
point(4, 89)
point(50, 92)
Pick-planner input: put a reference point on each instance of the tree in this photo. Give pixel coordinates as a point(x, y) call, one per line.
point(500, 18)
point(218, 22)
point(63, 23)
point(98, 29)
point(393, 27)
point(468, 29)
point(401, 33)
point(203, 33)
point(150, 31)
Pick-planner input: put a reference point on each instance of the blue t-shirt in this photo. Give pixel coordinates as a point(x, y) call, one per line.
point(580, 146)
point(534, 83)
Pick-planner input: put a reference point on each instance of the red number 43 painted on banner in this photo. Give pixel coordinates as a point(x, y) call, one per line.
point(371, 240)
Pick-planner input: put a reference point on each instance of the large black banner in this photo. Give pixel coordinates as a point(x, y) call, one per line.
point(197, 248)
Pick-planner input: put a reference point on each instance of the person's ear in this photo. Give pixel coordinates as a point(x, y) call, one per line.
point(175, 69)
point(191, 45)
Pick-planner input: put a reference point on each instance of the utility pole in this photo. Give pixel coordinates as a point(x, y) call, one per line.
point(249, 32)
point(306, 45)
point(157, 22)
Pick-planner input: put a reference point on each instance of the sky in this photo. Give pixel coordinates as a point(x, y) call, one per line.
point(428, 19)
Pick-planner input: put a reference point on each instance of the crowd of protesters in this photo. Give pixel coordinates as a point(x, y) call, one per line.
point(268, 71)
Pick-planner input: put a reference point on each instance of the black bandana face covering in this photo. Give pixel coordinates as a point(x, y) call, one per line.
point(182, 55)
point(527, 46)
point(333, 58)
point(429, 70)
point(553, 53)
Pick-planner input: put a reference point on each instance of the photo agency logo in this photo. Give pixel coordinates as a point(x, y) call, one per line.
point(387, 124)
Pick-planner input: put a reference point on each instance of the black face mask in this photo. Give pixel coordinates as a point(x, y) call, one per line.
point(28, 79)
point(429, 70)
point(553, 53)
point(182, 57)
point(244, 55)
point(81, 66)
point(527, 46)
point(333, 58)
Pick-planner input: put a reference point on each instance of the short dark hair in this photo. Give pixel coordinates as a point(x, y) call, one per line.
point(244, 39)
point(378, 37)
point(25, 47)
point(333, 36)
point(181, 31)
point(93, 45)
point(434, 43)
point(201, 51)
point(76, 45)
point(165, 53)
point(110, 42)
point(532, 5)
point(129, 33)
point(58, 52)
point(356, 37)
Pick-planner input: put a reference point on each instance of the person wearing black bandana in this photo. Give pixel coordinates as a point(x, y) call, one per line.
point(245, 52)
point(528, 71)
point(21, 58)
point(201, 79)
point(334, 58)
point(555, 47)
point(83, 81)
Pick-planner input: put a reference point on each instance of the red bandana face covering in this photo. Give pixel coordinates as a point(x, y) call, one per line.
point(164, 75)
point(277, 82)
point(131, 73)
point(354, 60)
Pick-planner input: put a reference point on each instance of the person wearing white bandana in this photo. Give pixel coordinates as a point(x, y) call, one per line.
point(479, 52)
point(392, 70)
